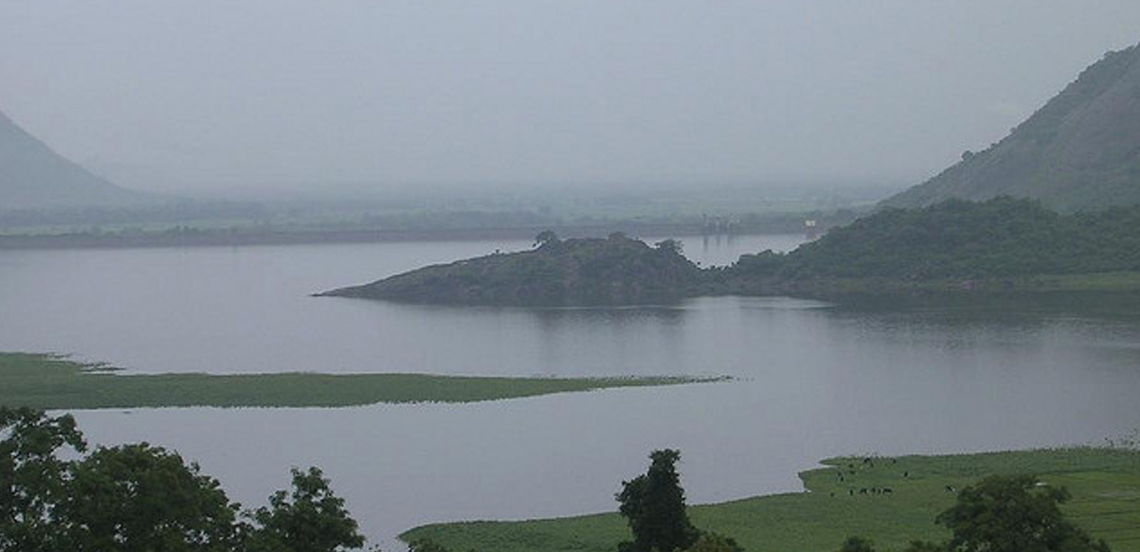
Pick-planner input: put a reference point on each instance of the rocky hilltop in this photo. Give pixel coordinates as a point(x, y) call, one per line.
point(32, 176)
point(613, 271)
point(1081, 151)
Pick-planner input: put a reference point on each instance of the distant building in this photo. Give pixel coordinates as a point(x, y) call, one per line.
point(811, 229)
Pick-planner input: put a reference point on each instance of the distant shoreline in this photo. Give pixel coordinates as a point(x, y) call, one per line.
point(192, 237)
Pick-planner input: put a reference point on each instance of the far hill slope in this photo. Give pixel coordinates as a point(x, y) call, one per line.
point(1080, 151)
point(32, 176)
point(613, 271)
point(957, 243)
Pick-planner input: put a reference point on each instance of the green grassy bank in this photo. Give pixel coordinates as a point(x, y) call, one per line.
point(1105, 484)
point(50, 382)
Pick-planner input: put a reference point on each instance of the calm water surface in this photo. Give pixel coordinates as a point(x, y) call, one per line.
point(812, 381)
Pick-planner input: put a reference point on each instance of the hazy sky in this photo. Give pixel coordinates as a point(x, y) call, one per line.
point(276, 94)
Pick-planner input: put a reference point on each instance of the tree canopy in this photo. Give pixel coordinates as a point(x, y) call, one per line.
point(1014, 514)
point(142, 498)
point(654, 506)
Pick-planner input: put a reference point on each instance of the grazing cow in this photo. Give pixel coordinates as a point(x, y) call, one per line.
point(863, 491)
point(888, 490)
point(949, 489)
point(906, 474)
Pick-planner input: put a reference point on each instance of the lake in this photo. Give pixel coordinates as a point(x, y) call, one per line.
point(811, 380)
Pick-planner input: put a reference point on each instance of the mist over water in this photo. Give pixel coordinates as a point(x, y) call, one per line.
point(810, 380)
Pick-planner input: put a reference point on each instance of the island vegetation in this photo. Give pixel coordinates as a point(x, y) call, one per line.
point(999, 246)
point(51, 382)
point(616, 270)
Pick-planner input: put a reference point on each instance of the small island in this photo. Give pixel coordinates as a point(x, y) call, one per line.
point(956, 248)
point(617, 270)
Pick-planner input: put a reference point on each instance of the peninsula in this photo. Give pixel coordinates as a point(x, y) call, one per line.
point(956, 247)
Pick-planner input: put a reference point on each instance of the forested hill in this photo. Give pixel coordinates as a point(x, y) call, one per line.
point(612, 271)
point(1080, 151)
point(963, 240)
point(32, 176)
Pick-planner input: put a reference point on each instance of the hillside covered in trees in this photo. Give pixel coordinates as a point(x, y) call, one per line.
point(1080, 151)
point(1001, 237)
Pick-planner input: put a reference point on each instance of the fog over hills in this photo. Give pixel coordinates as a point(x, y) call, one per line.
point(1080, 151)
point(32, 176)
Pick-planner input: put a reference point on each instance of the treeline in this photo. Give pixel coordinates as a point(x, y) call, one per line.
point(1002, 237)
point(58, 496)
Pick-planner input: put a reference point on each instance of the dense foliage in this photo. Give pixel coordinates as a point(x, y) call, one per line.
point(958, 239)
point(141, 498)
point(612, 271)
point(1014, 514)
point(654, 506)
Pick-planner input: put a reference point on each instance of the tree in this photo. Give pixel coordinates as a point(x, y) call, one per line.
point(311, 519)
point(546, 237)
point(140, 498)
point(143, 498)
point(1014, 514)
point(671, 246)
point(654, 506)
point(32, 478)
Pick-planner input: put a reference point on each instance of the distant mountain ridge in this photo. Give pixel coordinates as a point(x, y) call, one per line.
point(32, 176)
point(1081, 151)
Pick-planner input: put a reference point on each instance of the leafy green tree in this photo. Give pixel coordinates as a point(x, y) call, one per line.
point(1014, 514)
point(139, 498)
point(310, 519)
point(33, 480)
point(654, 506)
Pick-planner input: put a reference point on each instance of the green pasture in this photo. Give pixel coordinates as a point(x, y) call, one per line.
point(51, 382)
point(1104, 482)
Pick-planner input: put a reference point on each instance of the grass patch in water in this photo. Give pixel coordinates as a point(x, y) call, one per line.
point(51, 382)
point(1104, 482)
